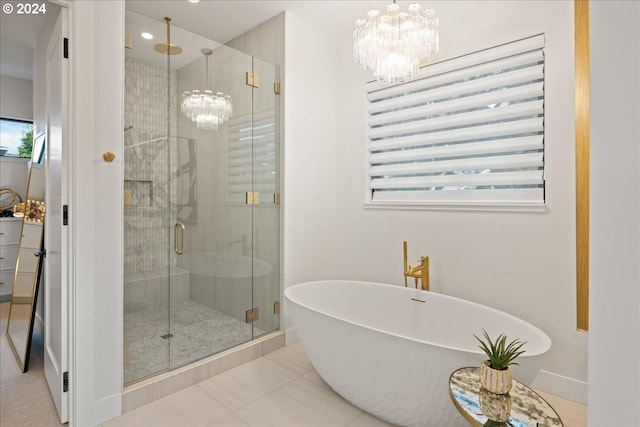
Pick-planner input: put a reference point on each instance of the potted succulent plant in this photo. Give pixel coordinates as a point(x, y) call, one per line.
point(495, 373)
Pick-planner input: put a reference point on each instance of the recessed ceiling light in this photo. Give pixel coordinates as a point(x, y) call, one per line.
point(147, 36)
point(194, 1)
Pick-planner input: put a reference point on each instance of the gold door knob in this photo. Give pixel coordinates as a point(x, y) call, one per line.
point(108, 157)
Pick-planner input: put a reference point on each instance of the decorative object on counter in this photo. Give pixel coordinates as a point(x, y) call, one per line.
point(495, 373)
point(8, 199)
point(34, 211)
point(528, 408)
point(19, 209)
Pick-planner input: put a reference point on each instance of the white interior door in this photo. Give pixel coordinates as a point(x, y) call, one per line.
point(56, 291)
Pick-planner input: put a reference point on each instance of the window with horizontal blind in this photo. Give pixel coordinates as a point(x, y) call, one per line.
point(468, 132)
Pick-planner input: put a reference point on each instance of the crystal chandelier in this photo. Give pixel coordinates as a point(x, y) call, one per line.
point(206, 109)
point(394, 45)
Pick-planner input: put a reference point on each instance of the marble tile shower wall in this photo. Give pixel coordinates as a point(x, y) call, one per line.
point(148, 214)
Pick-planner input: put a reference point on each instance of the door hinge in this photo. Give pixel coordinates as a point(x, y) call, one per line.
point(276, 88)
point(252, 198)
point(276, 307)
point(65, 382)
point(253, 79)
point(65, 214)
point(128, 40)
point(276, 198)
point(252, 315)
point(65, 48)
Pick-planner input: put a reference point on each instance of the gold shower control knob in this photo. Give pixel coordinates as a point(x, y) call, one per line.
point(108, 157)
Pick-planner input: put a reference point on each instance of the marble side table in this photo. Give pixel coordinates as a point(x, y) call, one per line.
point(527, 408)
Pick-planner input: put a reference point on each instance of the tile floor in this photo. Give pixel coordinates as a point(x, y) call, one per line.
point(197, 331)
point(280, 389)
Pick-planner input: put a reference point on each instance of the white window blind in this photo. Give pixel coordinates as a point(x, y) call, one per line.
point(468, 131)
point(252, 155)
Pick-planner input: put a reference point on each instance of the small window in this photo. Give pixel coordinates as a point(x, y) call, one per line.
point(468, 132)
point(16, 138)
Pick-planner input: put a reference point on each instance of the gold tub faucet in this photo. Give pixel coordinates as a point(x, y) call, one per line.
point(420, 271)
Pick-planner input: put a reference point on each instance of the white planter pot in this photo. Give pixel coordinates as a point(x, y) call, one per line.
point(495, 381)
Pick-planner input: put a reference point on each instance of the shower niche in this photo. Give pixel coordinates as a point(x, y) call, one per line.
point(201, 198)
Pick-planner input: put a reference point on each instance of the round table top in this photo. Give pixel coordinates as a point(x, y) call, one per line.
point(528, 408)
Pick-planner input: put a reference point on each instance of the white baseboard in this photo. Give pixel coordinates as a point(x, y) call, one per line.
point(291, 336)
point(107, 408)
point(559, 385)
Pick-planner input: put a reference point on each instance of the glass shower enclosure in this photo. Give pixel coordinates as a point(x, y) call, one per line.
point(201, 198)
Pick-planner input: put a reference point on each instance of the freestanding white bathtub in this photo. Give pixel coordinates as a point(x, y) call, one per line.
point(390, 350)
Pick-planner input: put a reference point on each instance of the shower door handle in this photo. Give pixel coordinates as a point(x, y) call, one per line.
point(178, 227)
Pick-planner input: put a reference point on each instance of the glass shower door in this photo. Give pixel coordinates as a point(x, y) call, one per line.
point(266, 183)
point(212, 279)
point(202, 207)
point(147, 148)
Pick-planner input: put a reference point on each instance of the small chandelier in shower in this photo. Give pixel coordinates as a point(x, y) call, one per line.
point(206, 109)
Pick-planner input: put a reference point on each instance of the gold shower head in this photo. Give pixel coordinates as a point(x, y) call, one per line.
point(168, 48)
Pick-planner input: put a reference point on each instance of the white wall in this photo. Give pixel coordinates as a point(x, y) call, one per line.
point(614, 295)
point(97, 63)
point(16, 101)
point(266, 41)
point(310, 217)
point(523, 263)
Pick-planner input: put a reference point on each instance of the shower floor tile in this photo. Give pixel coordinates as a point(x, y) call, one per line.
point(197, 331)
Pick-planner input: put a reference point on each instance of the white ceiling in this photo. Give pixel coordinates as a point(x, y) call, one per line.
point(18, 34)
point(223, 20)
point(218, 20)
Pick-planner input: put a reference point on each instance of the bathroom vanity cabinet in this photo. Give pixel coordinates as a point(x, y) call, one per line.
point(14, 173)
point(9, 240)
